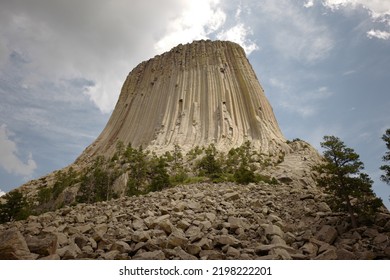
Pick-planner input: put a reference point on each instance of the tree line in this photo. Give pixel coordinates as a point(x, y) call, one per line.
point(340, 175)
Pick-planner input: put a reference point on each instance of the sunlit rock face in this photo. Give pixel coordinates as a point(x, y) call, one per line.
point(194, 95)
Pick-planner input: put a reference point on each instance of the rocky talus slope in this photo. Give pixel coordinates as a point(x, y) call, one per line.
point(203, 221)
point(289, 220)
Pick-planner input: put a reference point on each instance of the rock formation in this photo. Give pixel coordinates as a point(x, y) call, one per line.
point(196, 94)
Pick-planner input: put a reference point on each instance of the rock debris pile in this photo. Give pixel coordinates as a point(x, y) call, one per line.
point(199, 221)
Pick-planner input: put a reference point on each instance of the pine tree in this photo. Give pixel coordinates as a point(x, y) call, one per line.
point(159, 175)
point(138, 168)
point(179, 172)
point(209, 165)
point(341, 176)
point(243, 170)
point(15, 208)
point(386, 168)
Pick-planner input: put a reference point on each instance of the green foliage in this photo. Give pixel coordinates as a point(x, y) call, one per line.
point(96, 183)
point(63, 180)
point(194, 153)
point(209, 165)
point(15, 207)
point(44, 195)
point(195, 180)
point(244, 175)
point(138, 168)
point(350, 190)
point(159, 175)
point(386, 158)
point(266, 179)
point(294, 140)
point(178, 170)
point(240, 163)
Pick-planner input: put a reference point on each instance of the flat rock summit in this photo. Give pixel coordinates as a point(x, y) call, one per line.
point(198, 95)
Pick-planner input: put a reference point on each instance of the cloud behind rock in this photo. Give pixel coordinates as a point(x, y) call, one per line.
point(9, 158)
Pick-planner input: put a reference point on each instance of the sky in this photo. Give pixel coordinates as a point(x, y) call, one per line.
point(324, 66)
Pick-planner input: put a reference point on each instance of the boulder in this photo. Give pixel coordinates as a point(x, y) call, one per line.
point(386, 227)
point(69, 252)
point(121, 246)
point(205, 243)
point(233, 252)
point(183, 255)
point(327, 255)
point(231, 196)
point(370, 232)
point(140, 236)
point(54, 257)
point(271, 230)
point(262, 249)
point(281, 253)
point(193, 249)
point(211, 255)
point(227, 240)
point(167, 226)
point(176, 239)
point(80, 240)
point(13, 246)
point(344, 254)
point(44, 244)
point(210, 216)
point(309, 249)
point(327, 234)
point(155, 255)
point(380, 238)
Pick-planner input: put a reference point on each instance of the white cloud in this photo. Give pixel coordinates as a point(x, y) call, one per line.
point(101, 41)
point(9, 158)
point(378, 9)
point(197, 20)
point(97, 40)
point(309, 4)
point(378, 34)
point(1, 193)
point(297, 35)
point(202, 19)
point(239, 34)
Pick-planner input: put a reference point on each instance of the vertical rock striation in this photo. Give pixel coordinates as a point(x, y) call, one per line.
point(196, 94)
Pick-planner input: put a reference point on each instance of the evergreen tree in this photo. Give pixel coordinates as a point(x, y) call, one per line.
point(244, 175)
point(209, 165)
point(63, 180)
point(159, 175)
point(179, 172)
point(386, 168)
point(350, 190)
point(15, 208)
point(138, 161)
point(96, 182)
point(239, 162)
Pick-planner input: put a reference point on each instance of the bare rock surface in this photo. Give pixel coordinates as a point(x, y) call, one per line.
point(196, 94)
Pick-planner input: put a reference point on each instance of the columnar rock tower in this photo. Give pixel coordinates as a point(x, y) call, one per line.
point(196, 94)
